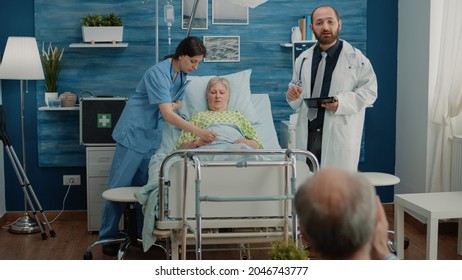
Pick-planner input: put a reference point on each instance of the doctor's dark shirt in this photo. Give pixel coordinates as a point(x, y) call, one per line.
point(331, 61)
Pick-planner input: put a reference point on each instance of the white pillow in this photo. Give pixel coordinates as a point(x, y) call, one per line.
point(194, 100)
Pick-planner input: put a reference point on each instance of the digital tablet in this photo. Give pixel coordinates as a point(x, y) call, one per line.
point(317, 101)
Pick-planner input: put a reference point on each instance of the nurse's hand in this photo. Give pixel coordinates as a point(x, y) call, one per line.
point(177, 105)
point(294, 92)
point(207, 136)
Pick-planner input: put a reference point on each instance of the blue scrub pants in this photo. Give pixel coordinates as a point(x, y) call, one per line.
point(129, 168)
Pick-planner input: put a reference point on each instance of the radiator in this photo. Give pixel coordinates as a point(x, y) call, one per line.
point(456, 164)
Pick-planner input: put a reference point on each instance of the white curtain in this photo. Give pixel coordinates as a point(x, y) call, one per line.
point(446, 108)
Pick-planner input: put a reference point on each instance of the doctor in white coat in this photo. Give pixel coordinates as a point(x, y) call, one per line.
point(349, 78)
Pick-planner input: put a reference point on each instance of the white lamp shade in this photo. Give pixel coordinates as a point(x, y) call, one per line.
point(21, 60)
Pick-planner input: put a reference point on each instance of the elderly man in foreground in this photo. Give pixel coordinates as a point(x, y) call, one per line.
point(341, 216)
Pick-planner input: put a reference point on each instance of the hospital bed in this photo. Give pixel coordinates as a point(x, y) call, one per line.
point(228, 202)
point(209, 196)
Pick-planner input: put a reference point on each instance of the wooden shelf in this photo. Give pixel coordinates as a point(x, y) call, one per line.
point(45, 108)
point(98, 45)
point(289, 45)
point(286, 45)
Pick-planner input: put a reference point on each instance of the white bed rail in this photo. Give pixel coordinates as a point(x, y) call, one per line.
point(286, 160)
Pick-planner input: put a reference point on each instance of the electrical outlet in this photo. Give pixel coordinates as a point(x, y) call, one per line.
point(71, 179)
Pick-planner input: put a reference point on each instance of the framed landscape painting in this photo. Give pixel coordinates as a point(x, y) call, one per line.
point(227, 13)
point(222, 48)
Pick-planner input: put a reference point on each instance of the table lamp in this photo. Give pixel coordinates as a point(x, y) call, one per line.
point(21, 61)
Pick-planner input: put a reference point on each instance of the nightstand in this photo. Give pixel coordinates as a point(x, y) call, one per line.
point(287, 137)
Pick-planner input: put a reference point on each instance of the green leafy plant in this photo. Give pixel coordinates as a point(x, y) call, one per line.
point(110, 19)
point(52, 63)
point(287, 250)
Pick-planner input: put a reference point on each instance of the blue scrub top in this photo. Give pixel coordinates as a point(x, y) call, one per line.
point(140, 125)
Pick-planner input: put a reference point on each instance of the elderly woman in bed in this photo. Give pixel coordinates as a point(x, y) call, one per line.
point(232, 127)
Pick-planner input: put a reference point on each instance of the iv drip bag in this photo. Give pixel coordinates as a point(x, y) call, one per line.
point(169, 14)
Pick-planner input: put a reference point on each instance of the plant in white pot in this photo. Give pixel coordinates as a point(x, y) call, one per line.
point(102, 28)
point(52, 63)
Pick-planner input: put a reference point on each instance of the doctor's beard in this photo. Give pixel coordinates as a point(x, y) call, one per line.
point(326, 41)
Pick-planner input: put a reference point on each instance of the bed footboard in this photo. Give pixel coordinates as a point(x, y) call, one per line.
point(222, 202)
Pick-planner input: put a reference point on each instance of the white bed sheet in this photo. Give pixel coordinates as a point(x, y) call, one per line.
point(148, 194)
point(264, 126)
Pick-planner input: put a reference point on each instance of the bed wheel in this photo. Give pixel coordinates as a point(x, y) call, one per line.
point(244, 252)
point(88, 256)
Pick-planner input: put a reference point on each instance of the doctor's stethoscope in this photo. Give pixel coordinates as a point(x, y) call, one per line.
point(299, 81)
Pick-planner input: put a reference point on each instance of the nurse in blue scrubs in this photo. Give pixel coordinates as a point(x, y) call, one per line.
point(139, 129)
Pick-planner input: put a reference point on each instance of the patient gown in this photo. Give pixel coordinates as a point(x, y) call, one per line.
point(214, 120)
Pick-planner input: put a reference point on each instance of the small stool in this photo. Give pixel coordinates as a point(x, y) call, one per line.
point(123, 194)
point(379, 179)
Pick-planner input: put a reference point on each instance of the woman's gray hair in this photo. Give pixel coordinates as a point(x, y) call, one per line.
point(218, 80)
point(337, 212)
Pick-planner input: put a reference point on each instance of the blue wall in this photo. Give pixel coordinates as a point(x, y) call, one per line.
point(116, 71)
point(366, 23)
point(380, 124)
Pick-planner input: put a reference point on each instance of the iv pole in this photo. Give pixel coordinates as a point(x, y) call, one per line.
point(193, 12)
point(157, 31)
point(250, 4)
point(191, 18)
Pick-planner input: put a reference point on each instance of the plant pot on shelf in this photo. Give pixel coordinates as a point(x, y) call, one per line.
point(50, 96)
point(100, 34)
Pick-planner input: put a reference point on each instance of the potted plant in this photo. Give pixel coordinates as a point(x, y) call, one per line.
point(52, 63)
point(287, 250)
point(102, 28)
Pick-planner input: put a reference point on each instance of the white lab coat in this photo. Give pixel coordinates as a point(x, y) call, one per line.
point(355, 85)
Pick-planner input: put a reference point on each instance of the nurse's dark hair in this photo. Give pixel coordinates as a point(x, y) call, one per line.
point(325, 6)
point(190, 46)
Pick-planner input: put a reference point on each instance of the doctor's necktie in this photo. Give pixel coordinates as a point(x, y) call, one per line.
point(317, 85)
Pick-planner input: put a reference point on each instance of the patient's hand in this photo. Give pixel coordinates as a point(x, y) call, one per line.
point(249, 142)
point(192, 144)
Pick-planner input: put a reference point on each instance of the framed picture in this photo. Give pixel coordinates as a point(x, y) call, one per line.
point(222, 48)
point(201, 15)
point(225, 12)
